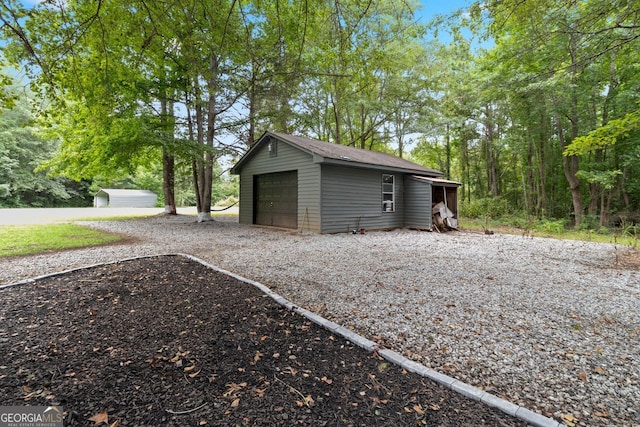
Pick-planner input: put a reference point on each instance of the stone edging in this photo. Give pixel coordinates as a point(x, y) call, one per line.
point(467, 390)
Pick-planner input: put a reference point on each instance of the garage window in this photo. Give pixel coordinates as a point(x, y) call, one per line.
point(273, 148)
point(388, 193)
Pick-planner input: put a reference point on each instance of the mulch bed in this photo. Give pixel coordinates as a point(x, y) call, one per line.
point(167, 341)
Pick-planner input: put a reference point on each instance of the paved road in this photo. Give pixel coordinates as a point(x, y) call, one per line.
point(53, 215)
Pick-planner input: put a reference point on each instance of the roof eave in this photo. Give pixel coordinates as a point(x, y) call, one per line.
point(439, 181)
point(354, 164)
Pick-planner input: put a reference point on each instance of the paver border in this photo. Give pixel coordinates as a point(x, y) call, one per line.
point(467, 390)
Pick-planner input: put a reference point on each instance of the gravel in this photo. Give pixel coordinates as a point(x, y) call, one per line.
point(547, 324)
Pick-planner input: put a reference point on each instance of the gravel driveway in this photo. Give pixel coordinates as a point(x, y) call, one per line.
point(550, 325)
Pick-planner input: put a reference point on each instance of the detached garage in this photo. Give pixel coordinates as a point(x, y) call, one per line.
point(118, 198)
point(295, 182)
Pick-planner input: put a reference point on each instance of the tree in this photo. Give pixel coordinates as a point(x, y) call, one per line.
point(21, 152)
point(561, 53)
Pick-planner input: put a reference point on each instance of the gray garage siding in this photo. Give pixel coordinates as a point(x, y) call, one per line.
point(287, 159)
point(349, 194)
point(417, 208)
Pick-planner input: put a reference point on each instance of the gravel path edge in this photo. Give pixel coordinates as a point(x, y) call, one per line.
point(391, 356)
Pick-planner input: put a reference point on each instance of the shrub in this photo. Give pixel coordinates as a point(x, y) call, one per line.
point(589, 222)
point(490, 207)
point(519, 220)
point(630, 231)
point(550, 226)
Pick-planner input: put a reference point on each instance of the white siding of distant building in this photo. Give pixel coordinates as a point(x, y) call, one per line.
point(118, 198)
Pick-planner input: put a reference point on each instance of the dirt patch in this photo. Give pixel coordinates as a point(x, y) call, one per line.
point(630, 260)
point(166, 341)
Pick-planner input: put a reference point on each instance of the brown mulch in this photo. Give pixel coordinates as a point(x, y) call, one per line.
point(166, 341)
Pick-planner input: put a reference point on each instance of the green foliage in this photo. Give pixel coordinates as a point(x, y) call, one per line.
point(7, 96)
point(589, 223)
point(606, 135)
point(124, 81)
point(432, 154)
point(33, 239)
point(550, 226)
point(488, 207)
point(606, 179)
point(554, 229)
point(21, 153)
point(632, 231)
point(103, 145)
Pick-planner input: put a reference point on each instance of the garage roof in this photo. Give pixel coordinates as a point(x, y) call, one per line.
point(439, 181)
point(325, 152)
point(120, 192)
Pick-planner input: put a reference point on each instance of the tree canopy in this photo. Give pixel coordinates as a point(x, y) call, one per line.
point(532, 105)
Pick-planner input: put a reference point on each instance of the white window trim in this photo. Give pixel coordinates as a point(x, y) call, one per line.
point(385, 204)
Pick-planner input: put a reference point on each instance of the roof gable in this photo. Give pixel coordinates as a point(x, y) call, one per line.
point(325, 152)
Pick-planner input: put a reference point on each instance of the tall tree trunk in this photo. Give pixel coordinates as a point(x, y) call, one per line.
point(465, 166)
point(251, 137)
point(363, 124)
point(542, 164)
point(528, 181)
point(194, 161)
point(623, 187)
point(168, 160)
point(168, 182)
point(605, 205)
point(400, 131)
point(570, 164)
point(570, 168)
point(596, 192)
point(335, 101)
point(606, 192)
point(447, 150)
point(206, 165)
point(490, 166)
point(198, 163)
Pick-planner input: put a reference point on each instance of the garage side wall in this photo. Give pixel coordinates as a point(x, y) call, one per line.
point(287, 158)
point(137, 201)
point(417, 203)
point(352, 197)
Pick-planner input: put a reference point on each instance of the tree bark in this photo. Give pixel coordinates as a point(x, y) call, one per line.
point(447, 149)
point(542, 163)
point(168, 182)
point(528, 181)
point(205, 173)
point(491, 167)
point(168, 160)
point(251, 137)
point(570, 164)
point(596, 192)
point(570, 168)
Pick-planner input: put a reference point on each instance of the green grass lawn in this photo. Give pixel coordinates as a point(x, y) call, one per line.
point(552, 230)
point(33, 239)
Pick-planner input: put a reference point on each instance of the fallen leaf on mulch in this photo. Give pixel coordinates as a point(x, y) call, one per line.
point(100, 418)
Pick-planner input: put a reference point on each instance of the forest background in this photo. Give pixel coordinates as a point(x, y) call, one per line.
point(531, 105)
